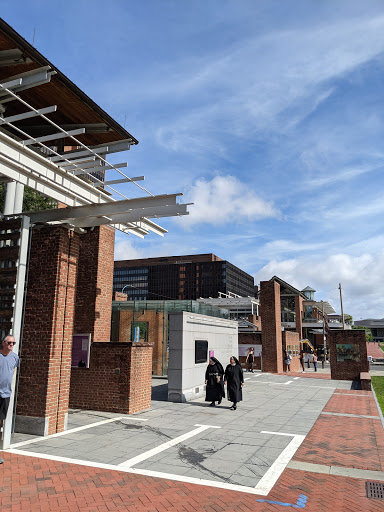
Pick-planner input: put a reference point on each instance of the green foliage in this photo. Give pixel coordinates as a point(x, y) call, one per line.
point(33, 201)
point(368, 332)
point(378, 386)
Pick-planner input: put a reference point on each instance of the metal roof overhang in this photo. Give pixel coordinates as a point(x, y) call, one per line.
point(73, 105)
point(33, 147)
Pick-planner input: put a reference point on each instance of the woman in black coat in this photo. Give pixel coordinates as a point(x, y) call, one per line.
point(214, 382)
point(235, 381)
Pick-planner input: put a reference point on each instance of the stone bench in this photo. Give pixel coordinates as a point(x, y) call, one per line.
point(365, 379)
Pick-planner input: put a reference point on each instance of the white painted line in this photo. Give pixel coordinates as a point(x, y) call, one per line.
point(145, 472)
point(277, 433)
point(150, 453)
point(300, 385)
point(267, 482)
point(249, 378)
point(289, 382)
point(258, 375)
point(77, 429)
point(295, 378)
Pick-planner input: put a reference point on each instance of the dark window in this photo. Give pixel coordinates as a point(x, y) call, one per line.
point(201, 351)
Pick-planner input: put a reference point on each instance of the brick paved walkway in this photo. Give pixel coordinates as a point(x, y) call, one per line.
point(374, 350)
point(36, 484)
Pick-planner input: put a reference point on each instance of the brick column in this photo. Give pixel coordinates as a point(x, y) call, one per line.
point(95, 283)
point(270, 308)
point(43, 393)
point(348, 369)
point(119, 378)
point(299, 315)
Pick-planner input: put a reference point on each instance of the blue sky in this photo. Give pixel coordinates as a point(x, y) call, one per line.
point(267, 115)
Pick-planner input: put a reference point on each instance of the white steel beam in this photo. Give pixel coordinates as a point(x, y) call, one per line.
point(27, 115)
point(132, 216)
point(22, 164)
point(110, 208)
point(53, 136)
point(110, 147)
point(99, 168)
point(28, 79)
point(124, 180)
point(152, 226)
point(13, 57)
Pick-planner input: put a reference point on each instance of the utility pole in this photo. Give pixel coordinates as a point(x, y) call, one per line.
point(324, 342)
point(341, 303)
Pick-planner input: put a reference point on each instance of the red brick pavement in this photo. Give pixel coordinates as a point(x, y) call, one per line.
point(352, 403)
point(40, 485)
point(374, 350)
point(309, 374)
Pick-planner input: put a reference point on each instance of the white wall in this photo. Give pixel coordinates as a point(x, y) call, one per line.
point(185, 378)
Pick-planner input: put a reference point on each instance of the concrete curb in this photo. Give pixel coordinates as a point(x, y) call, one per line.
point(378, 407)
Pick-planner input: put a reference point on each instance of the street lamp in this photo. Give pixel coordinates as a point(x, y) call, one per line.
point(134, 303)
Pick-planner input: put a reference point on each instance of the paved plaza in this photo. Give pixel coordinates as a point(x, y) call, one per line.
point(297, 440)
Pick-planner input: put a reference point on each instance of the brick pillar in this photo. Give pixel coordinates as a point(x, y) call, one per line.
point(343, 368)
point(95, 283)
point(140, 377)
point(270, 308)
point(119, 378)
point(299, 315)
point(43, 393)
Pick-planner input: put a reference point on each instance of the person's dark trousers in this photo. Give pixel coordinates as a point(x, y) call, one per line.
point(315, 365)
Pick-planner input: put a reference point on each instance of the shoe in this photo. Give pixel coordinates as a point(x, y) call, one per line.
point(212, 404)
point(1, 461)
point(219, 402)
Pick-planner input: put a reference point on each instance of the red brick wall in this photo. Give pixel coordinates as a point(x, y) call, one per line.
point(118, 378)
point(270, 307)
point(48, 327)
point(120, 296)
point(250, 338)
point(347, 370)
point(292, 339)
point(95, 282)
point(255, 320)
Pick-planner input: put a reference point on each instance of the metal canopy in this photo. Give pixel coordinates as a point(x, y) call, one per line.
point(33, 143)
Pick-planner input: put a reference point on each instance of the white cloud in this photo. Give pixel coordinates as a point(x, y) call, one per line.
point(125, 249)
point(225, 199)
point(282, 247)
point(361, 278)
point(263, 77)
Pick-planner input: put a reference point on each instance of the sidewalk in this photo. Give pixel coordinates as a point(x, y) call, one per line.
point(342, 448)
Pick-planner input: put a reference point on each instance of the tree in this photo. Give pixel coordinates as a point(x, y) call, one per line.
point(368, 332)
point(32, 201)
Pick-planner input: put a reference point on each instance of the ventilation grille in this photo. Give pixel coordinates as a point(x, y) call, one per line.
point(375, 490)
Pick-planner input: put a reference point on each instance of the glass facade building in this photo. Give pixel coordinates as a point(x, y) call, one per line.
point(180, 278)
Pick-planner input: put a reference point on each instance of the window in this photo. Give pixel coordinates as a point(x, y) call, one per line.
point(201, 351)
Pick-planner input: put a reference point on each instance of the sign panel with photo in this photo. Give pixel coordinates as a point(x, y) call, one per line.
point(347, 352)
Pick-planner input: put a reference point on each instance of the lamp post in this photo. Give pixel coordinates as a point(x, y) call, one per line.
point(134, 304)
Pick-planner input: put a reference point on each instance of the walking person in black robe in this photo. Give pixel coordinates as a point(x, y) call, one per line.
point(235, 381)
point(214, 382)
